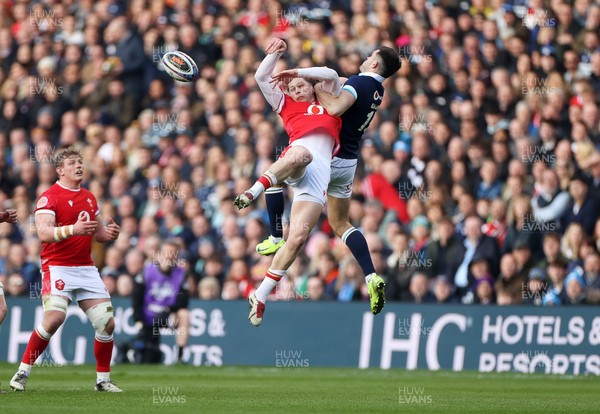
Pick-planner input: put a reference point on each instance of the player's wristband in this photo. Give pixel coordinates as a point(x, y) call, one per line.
point(61, 233)
point(1, 289)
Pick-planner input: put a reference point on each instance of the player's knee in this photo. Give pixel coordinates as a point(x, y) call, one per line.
point(306, 158)
point(301, 157)
point(55, 303)
point(55, 312)
point(296, 240)
point(56, 319)
point(53, 320)
point(110, 326)
point(101, 317)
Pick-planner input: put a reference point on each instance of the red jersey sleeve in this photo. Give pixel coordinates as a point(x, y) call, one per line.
point(46, 204)
point(95, 205)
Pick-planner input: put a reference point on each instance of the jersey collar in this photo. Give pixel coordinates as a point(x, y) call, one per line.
point(67, 188)
point(374, 75)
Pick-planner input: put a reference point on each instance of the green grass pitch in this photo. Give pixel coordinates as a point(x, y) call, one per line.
point(186, 389)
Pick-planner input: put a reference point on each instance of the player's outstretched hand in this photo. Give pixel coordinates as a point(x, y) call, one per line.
point(8, 216)
point(112, 230)
point(85, 228)
point(276, 45)
point(285, 76)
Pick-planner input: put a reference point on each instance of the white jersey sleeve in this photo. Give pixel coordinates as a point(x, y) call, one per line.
point(330, 78)
point(271, 92)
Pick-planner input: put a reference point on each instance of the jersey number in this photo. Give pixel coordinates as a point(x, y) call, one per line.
point(83, 216)
point(369, 117)
point(368, 121)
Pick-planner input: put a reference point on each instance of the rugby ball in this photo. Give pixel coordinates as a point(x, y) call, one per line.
point(180, 66)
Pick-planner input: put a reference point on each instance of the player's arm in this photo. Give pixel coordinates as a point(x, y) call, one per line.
point(331, 81)
point(49, 232)
point(329, 77)
point(272, 93)
point(335, 105)
point(106, 233)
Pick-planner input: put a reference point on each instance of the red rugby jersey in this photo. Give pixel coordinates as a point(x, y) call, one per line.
point(67, 205)
point(304, 118)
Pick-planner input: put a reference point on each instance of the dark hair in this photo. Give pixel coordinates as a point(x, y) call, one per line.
point(390, 61)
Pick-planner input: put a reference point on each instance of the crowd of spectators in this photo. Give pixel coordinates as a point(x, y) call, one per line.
point(480, 173)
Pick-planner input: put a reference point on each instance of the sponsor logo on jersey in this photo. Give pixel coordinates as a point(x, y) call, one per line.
point(376, 96)
point(89, 200)
point(71, 203)
point(315, 110)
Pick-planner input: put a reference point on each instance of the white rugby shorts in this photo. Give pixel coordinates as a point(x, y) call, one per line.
point(312, 186)
point(74, 282)
point(342, 177)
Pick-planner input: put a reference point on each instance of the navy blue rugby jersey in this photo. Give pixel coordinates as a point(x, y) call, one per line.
point(367, 89)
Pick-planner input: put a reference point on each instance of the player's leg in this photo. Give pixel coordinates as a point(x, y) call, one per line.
point(337, 214)
point(182, 332)
point(309, 199)
point(339, 192)
point(291, 165)
point(55, 311)
point(100, 312)
point(54, 303)
point(338, 210)
point(303, 218)
point(275, 206)
point(94, 301)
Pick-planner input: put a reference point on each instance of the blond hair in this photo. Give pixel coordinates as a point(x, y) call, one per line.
point(62, 154)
